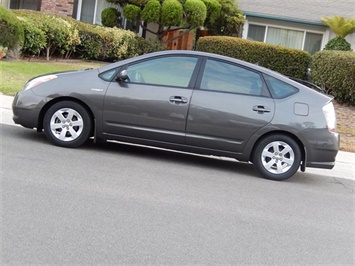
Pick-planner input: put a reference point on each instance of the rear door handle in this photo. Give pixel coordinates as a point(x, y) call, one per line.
point(178, 100)
point(261, 109)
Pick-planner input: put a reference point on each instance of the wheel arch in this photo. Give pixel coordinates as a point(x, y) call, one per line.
point(281, 132)
point(61, 99)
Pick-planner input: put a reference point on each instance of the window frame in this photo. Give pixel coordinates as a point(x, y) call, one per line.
point(193, 77)
point(305, 31)
point(265, 90)
point(272, 91)
point(18, 4)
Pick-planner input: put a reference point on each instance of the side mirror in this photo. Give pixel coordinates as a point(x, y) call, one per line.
point(122, 76)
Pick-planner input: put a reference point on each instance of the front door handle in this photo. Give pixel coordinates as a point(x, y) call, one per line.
point(178, 100)
point(261, 109)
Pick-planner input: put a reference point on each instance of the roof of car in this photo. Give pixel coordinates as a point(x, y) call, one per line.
point(191, 53)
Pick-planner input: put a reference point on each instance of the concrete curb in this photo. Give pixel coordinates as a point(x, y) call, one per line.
point(344, 166)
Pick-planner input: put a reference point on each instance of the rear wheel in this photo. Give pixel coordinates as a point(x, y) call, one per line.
point(67, 124)
point(277, 157)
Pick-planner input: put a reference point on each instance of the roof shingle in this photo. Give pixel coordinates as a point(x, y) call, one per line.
point(307, 10)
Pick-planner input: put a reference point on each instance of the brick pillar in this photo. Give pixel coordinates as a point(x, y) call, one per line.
point(62, 7)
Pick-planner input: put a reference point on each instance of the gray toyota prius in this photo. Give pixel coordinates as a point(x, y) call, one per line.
point(188, 101)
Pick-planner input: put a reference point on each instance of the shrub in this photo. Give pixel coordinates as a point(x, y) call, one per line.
point(103, 43)
point(61, 36)
point(10, 28)
point(64, 35)
point(171, 12)
point(35, 39)
point(110, 17)
point(290, 62)
point(151, 11)
point(213, 10)
point(195, 12)
point(334, 71)
point(118, 44)
point(145, 46)
point(91, 43)
point(131, 12)
point(338, 43)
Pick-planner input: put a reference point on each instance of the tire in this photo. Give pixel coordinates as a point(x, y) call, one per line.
point(67, 124)
point(277, 157)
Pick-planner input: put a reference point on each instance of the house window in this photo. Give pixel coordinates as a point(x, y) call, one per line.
point(298, 39)
point(256, 33)
point(26, 4)
point(285, 37)
point(88, 11)
point(313, 42)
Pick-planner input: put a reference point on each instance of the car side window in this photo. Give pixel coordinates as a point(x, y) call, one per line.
point(167, 71)
point(108, 75)
point(278, 88)
point(226, 77)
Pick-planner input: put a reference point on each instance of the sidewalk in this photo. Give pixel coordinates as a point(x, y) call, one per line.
point(344, 166)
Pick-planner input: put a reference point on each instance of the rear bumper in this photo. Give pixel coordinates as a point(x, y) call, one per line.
point(323, 154)
point(323, 165)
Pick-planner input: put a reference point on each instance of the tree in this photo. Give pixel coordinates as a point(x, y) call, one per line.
point(111, 17)
point(170, 15)
point(341, 27)
point(229, 22)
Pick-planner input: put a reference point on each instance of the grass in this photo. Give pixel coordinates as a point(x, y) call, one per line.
point(14, 74)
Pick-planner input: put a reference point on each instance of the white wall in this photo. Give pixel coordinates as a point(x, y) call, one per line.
point(351, 39)
point(5, 3)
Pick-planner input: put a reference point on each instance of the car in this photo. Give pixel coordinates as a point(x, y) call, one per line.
point(187, 101)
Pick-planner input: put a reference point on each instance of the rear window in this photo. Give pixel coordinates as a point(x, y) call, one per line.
point(278, 88)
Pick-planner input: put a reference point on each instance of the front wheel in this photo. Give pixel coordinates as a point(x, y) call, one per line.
point(67, 124)
point(277, 157)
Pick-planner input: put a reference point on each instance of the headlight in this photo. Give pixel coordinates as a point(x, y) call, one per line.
point(36, 81)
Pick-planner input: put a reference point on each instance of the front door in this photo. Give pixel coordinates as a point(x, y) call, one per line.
point(153, 102)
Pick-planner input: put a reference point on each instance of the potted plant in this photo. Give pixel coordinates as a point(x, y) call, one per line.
point(3, 51)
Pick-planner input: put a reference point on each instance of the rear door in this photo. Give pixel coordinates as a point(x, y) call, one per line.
point(230, 106)
point(153, 102)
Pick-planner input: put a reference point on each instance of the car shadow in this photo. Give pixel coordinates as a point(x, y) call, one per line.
point(182, 158)
point(148, 153)
point(165, 155)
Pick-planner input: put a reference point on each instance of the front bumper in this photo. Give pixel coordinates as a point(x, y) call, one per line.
point(26, 108)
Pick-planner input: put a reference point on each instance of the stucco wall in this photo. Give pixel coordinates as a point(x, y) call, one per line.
point(5, 3)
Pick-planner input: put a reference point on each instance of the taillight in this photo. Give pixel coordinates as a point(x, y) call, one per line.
point(329, 113)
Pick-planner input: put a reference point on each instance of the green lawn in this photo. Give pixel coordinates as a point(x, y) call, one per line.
point(14, 74)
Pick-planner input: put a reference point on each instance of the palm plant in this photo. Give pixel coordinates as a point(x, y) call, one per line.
point(341, 27)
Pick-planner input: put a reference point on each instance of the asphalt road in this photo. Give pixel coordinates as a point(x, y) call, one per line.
point(120, 204)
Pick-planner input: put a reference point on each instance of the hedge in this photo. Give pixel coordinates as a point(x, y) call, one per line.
point(290, 62)
point(61, 36)
point(68, 37)
point(35, 38)
point(11, 30)
point(334, 71)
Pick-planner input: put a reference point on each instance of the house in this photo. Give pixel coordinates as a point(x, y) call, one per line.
point(84, 10)
point(291, 23)
point(294, 23)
